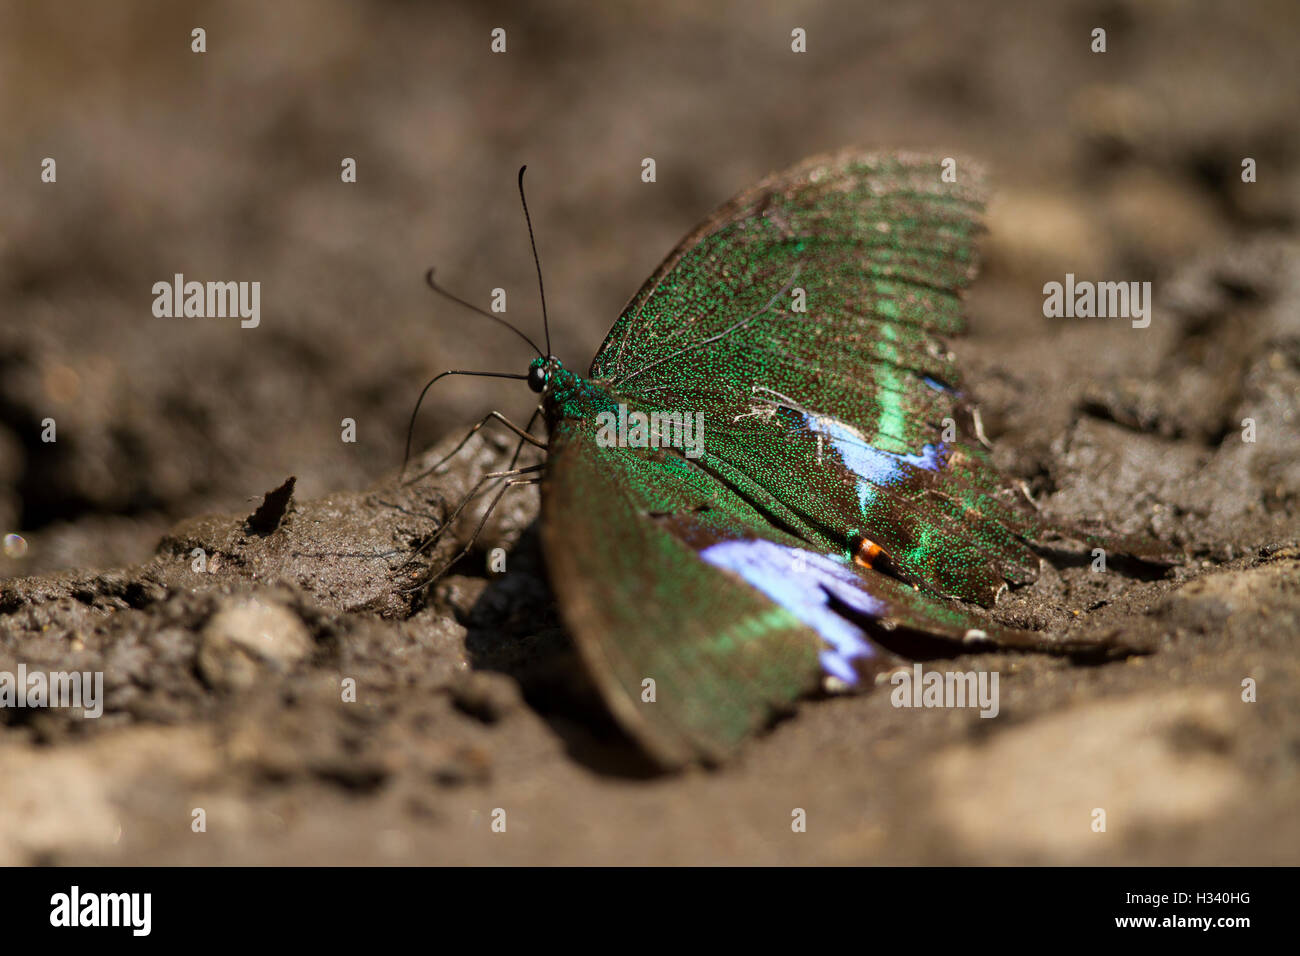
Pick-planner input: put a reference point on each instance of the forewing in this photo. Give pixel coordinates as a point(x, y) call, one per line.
point(845, 421)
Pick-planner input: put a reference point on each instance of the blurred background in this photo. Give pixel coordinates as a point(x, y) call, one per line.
point(226, 166)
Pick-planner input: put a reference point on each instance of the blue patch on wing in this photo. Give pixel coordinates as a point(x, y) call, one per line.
point(873, 467)
point(803, 582)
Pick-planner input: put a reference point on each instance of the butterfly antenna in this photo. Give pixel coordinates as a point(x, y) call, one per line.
point(546, 322)
point(428, 277)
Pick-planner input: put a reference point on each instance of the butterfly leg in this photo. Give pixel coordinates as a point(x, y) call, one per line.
point(512, 474)
point(532, 420)
point(514, 459)
point(523, 434)
point(512, 483)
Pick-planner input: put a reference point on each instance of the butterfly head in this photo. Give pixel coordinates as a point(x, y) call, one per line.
point(541, 372)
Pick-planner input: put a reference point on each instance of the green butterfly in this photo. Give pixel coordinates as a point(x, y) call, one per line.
point(770, 482)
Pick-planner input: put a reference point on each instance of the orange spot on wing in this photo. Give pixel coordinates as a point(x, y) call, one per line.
point(869, 554)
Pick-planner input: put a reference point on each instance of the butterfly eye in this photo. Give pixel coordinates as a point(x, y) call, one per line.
point(537, 378)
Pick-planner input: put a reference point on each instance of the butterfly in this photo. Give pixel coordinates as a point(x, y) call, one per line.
point(770, 482)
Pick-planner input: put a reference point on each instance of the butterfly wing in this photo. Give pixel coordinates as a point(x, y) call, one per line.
point(805, 322)
point(697, 618)
point(806, 319)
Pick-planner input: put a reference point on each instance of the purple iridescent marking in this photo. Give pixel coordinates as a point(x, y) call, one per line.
point(803, 583)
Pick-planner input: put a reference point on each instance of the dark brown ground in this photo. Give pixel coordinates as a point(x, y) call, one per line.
point(1119, 166)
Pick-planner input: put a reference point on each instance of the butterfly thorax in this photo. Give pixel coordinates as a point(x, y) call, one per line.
point(570, 396)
